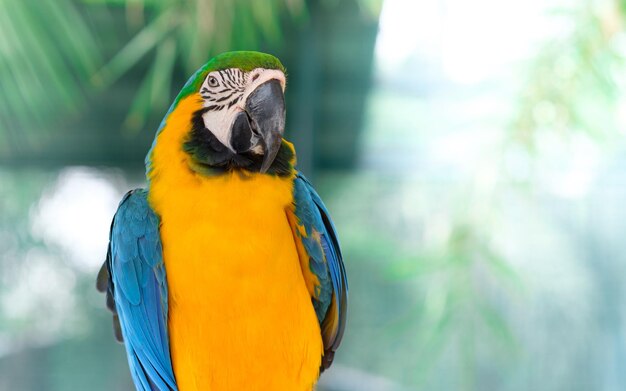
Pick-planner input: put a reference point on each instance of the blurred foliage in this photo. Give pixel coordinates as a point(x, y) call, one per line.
point(47, 53)
point(574, 90)
point(437, 233)
point(186, 32)
point(578, 78)
point(437, 286)
point(450, 239)
point(51, 54)
point(29, 315)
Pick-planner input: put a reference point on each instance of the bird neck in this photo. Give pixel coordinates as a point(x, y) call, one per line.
point(170, 168)
point(183, 140)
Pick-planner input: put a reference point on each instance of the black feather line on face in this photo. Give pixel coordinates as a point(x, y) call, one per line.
point(226, 97)
point(237, 99)
point(214, 108)
point(230, 84)
point(210, 157)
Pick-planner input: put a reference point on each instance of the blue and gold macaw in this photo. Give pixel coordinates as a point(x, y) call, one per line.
point(225, 273)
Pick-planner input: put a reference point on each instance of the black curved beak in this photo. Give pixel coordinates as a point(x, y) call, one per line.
point(266, 108)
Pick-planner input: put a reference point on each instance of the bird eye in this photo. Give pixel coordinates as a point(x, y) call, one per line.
point(213, 82)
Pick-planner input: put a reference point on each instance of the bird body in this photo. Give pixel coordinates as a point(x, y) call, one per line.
point(225, 273)
point(234, 232)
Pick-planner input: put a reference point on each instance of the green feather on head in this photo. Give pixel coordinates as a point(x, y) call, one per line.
point(244, 60)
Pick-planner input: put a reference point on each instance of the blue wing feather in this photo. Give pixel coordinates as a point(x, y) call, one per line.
point(325, 262)
point(139, 286)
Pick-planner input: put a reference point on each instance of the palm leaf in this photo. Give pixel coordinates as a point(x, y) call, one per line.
point(46, 53)
point(188, 32)
point(49, 56)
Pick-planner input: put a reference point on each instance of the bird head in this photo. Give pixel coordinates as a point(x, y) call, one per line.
point(239, 115)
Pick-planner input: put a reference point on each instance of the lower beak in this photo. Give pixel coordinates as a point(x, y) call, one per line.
point(266, 108)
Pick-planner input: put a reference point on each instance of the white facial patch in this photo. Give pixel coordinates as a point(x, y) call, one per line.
point(224, 94)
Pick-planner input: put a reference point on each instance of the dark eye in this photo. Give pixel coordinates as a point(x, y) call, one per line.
point(213, 82)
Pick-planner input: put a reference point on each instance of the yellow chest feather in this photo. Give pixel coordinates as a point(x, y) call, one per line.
point(240, 315)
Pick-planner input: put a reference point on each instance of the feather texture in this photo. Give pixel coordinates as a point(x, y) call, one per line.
point(257, 287)
point(316, 232)
point(138, 287)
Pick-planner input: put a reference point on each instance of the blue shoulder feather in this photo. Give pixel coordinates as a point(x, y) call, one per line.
point(326, 262)
point(138, 285)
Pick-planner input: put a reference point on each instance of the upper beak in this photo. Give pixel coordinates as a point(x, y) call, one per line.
point(266, 108)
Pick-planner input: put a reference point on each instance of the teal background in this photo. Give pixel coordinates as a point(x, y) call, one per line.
point(472, 156)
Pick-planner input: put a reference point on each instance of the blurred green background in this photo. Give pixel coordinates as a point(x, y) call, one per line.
point(471, 154)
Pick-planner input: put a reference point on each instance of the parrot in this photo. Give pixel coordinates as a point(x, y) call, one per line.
point(225, 271)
